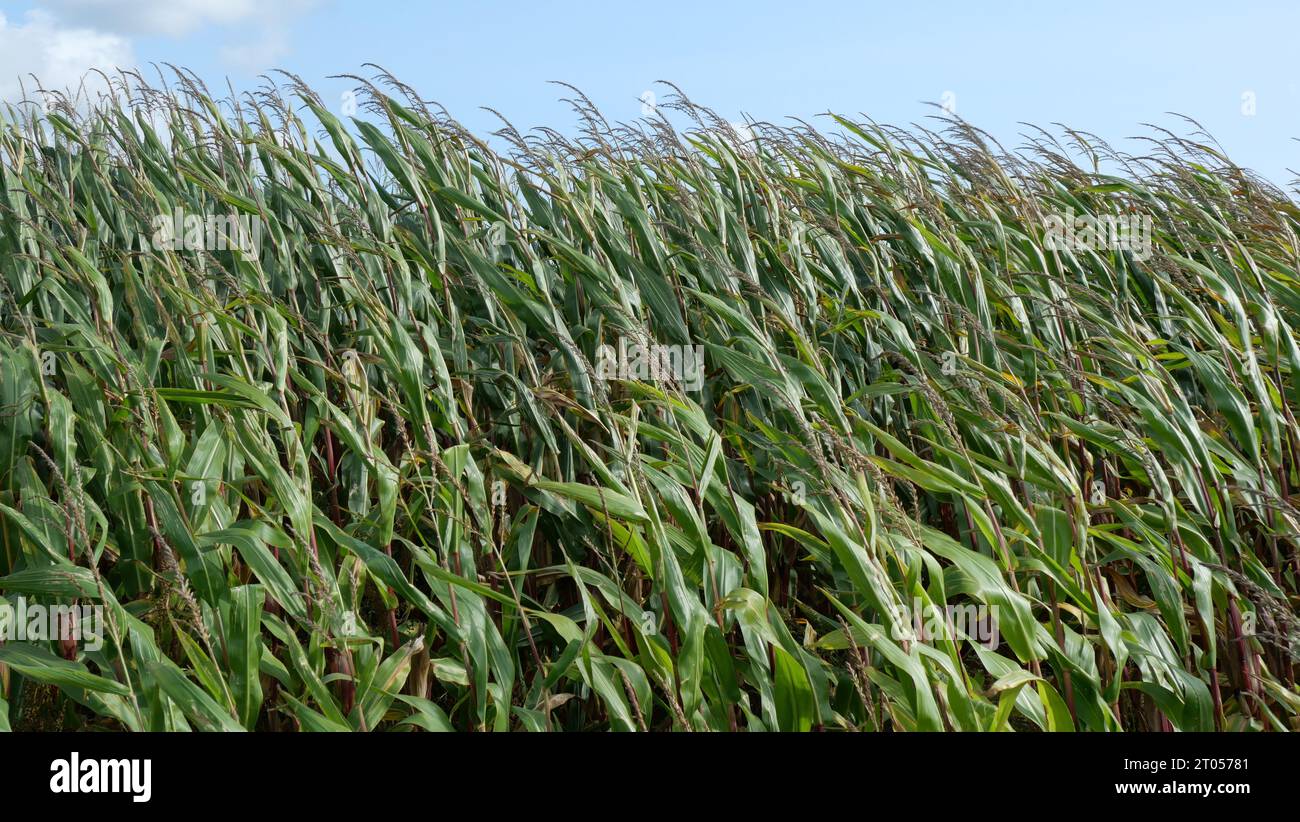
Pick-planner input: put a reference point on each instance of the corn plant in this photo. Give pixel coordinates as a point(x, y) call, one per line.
point(659, 426)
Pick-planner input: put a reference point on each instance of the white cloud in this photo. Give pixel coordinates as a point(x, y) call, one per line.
point(62, 41)
point(58, 55)
point(171, 18)
point(259, 55)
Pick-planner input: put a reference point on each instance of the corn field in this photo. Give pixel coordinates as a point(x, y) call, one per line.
point(649, 427)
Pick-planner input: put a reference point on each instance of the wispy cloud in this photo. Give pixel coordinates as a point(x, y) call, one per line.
point(59, 55)
point(180, 17)
point(63, 40)
point(170, 18)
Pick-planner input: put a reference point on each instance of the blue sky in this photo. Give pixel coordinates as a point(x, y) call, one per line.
point(1105, 67)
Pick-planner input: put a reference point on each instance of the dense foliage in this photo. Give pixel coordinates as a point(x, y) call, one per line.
point(376, 473)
